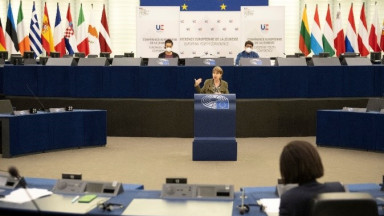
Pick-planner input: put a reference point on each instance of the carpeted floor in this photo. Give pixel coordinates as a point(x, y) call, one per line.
point(149, 161)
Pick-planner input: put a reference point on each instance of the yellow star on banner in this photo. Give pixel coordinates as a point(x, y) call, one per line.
point(223, 6)
point(184, 7)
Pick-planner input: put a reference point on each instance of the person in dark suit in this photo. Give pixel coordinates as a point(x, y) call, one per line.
point(300, 163)
point(168, 53)
point(213, 86)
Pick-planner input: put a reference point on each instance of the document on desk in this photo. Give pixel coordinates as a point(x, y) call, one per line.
point(21, 196)
point(160, 207)
point(270, 206)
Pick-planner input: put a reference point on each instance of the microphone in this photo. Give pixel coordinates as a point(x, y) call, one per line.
point(15, 174)
point(36, 98)
point(243, 208)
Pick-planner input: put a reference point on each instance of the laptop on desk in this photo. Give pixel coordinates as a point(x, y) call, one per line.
point(163, 61)
point(255, 62)
point(6, 107)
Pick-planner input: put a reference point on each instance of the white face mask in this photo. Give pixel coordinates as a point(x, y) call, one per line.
point(248, 49)
point(168, 49)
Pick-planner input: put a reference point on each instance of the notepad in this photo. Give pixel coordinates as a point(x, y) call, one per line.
point(87, 198)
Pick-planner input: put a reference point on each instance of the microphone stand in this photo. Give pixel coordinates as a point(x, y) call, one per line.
point(243, 208)
point(15, 173)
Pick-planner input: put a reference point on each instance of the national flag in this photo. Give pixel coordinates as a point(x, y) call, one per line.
point(70, 40)
point(46, 33)
point(305, 38)
point(93, 34)
point(34, 34)
point(328, 42)
point(22, 35)
point(382, 38)
point(339, 34)
point(375, 33)
point(82, 35)
point(104, 39)
point(362, 37)
point(351, 37)
point(58, 35)
point(3, 46)
point(316, 43)
point(11, 36)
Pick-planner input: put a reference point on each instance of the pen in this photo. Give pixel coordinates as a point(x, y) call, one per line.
point(75, 199)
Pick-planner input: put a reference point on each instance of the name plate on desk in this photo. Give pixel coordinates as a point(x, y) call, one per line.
point(194, 191)
point(71, 186)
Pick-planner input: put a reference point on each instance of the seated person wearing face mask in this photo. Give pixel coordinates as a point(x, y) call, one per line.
point(247, 53)
point(168, 50)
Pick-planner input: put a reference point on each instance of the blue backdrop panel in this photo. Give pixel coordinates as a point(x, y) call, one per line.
point(121, 82)
point(215, 127)
point(55, 81)
point(257, 82)
point(293, 83)
point(358, 80)
point(88, 81)
point(325, 81)
point(18, 78)
point(1, 79)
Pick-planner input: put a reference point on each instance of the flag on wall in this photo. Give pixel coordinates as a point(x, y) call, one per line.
point(82, 35)
point(316, 35)
point(11, 36)
point(375, 33)
point(46, 33)
point(351, 37)
point(3, 47)
point(34, 34)
point(104, 39)
point(70, 40)
point(22, 34)
point(305, 38)
point(93, 34)
point(362, 37)
point(328, 42)
point(58, 35)
point(339, 34)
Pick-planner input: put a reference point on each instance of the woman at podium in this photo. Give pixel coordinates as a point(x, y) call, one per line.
point(213, 86)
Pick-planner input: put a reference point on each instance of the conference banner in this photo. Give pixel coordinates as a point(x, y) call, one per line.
point(210, 34)
point(265, 27)
point(154, 26)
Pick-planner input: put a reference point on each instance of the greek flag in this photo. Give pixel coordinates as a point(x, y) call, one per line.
point(34, 34)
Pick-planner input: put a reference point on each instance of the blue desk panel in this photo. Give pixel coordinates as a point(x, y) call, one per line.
point(50, 131)
point(177, 82)
point(133, 191)
point(357, 130)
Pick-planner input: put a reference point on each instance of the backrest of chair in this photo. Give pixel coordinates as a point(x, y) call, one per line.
point(344, 204)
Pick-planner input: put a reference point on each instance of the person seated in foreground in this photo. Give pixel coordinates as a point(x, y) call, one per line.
point(213, 86)
point(300, 163)
point(247, 53)
point(168, 53)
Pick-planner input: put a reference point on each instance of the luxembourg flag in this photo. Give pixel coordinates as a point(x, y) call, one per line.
point(362, 37)
point(316, 35)
point(70, 40)
point(351, 38)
